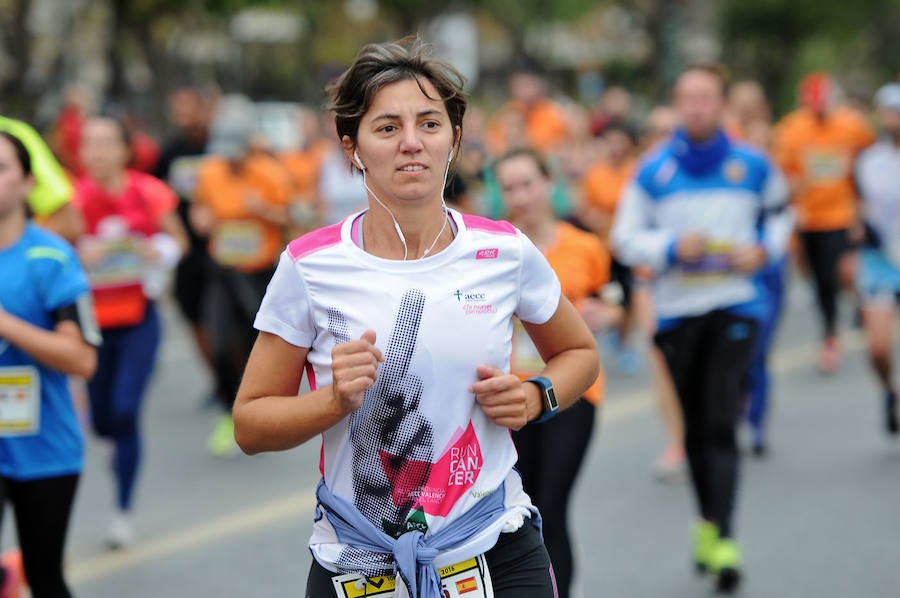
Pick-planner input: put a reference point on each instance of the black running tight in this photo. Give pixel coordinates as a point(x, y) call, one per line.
point(823, 251)
point(231, 301)
point(709, 357)
point(42, 508)
point(550, 457)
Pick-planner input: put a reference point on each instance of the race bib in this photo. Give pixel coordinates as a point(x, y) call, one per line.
point(468, 579)
point(526, 359)
point(825, 165)
point(20, 401)
point(238, 242)
point(712, 267)
point(121, 264)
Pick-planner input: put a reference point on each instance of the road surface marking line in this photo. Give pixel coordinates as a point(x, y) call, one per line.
point(223, 528)
point(302, 503)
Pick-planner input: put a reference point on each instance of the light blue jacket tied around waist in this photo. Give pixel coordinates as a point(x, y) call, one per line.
point(412, 550)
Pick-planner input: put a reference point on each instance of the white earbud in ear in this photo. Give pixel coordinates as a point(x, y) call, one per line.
point(450, 157)
point(358, 161)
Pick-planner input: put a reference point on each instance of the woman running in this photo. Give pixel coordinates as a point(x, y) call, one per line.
point(133, 238)
point(47, 332)
point(550, 455)
point(402, 317)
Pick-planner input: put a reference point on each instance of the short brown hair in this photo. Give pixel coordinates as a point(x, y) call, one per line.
point(524, 152)
point(719, 71)
point(379, 65)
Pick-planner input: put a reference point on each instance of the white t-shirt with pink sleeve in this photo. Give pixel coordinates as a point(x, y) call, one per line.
point(420, 451)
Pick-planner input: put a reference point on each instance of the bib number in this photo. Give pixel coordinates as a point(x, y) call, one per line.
point(121, 264)
point(238, 243)
point(712, 267)
point(20, 401)
point(468, 579)
point(826, 165)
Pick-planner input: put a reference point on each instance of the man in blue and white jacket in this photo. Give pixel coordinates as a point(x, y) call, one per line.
point(706, 213)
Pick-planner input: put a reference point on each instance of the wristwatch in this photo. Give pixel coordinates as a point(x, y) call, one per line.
point(548, 398)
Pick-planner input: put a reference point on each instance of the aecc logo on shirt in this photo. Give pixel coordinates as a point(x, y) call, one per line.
point(474, 302)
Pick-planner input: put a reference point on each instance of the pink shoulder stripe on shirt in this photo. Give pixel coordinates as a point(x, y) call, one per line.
point(500, 227)
point(314, 241)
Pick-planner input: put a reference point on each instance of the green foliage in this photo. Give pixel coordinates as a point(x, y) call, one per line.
point(528, 12)
point(229, 7)
point(777, 41)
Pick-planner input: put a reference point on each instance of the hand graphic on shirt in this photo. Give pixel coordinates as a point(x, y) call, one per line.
point(393, 442)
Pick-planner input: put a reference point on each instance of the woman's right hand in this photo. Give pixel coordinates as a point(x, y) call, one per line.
point(354, 367)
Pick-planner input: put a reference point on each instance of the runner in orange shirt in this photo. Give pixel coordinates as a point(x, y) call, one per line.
point(816, 147)
point(551, 454)
point(241, 202)
point(303, 165)
point(544, 121)
point(601, 187)
point(604, 180)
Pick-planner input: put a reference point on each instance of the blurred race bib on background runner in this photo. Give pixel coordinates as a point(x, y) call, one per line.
point(715, 263)
point(20, 401)
point(827, 164)
point(468, 579)
point(238, 242)
point(121, 264)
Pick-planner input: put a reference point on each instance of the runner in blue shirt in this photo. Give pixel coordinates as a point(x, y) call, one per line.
point(47, 332)
point(706, 213)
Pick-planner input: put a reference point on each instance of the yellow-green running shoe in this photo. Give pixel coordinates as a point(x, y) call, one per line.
point(706, 536)
point(725, 564)
point(221, 441)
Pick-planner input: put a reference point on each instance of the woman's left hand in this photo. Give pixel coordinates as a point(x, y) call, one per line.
point(501, 396)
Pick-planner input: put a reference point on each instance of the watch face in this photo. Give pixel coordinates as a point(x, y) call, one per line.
point(552, 403)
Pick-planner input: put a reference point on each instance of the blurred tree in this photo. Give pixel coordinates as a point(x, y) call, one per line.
point(661, 20)
point(770, 39)
point(518, 15)
point(14, 34)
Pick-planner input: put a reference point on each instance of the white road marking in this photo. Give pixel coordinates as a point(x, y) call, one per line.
point(276, 512)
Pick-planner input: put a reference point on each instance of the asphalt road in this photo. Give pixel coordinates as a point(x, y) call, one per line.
point(819, 518)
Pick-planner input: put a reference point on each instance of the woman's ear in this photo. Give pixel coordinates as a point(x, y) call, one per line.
point(350, 151)
point(457, 143)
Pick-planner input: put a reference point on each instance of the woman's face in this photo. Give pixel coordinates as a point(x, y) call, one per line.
point(14, 184)
point(404, 142)
point(526, 191)
point(103, 148)
point(618, 145)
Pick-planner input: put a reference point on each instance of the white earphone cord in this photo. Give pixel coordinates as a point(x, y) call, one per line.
point(391, 214)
